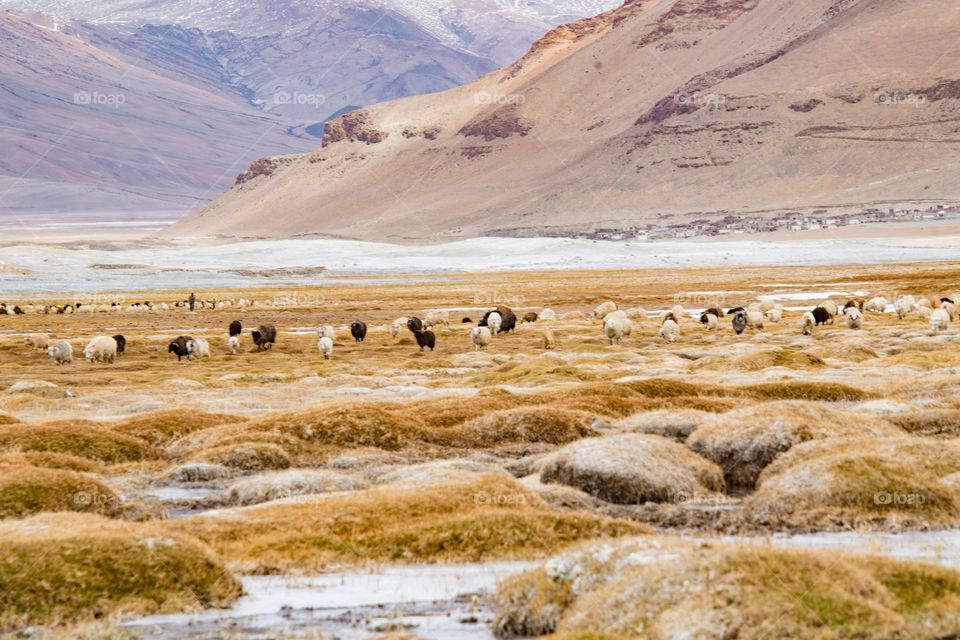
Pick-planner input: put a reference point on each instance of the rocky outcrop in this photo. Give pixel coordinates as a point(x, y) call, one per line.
point(502, 123)
point(353, 127)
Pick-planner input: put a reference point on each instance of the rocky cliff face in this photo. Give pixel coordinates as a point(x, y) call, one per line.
point(652, 113)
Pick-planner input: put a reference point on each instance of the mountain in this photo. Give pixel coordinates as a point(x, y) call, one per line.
point(657, 112)
point(182, 94)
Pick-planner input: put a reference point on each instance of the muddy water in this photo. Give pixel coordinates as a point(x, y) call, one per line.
point(428, 601)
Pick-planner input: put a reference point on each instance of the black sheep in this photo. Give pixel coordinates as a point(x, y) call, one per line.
point(822, 316)
point(18, 311)
point(425, 339)
point(358, 330)
point(734, 310)
point(414, 324)
point(530, 316)
point(121, 344)
point(717, 311)
point(235, 328)
point(265, 336)
point(509, 322)
point(179, 346)
point(466, 320)
point(942, 300)
point(740, 321)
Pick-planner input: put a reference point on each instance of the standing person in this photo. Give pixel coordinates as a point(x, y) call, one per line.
point(193, 300)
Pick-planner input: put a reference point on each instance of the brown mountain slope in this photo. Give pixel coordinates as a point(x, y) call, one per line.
point(662, 110)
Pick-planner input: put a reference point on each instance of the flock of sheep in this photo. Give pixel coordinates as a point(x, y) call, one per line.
point(617, 324)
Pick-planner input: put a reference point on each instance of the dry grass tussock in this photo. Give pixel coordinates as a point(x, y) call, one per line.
point(26, 490)
point(73, 567)
point(633, 469)
point(82, 439)
point(628, 590)
point(285, 484)
point(861, 481)
point(675, 424)
point(472, 517)
point(943, 423)
point(744, 441)
point(160, 428)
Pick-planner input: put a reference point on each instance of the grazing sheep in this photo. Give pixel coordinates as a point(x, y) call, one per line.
point(121, 344)
point(425, 339)
point(877, 304)
point(264, 337)
point(853, 318)
point(62, 352)
point(755, 319)
point(508, 322)
point(708, 320)
point(233, 343)
point(397, 326)
point(775, 314)
point(670, 330)
point(101, 349)
point(492, 320)
point(950, 308)
point(830, 306)
point(767, 305)
point(925, 302)
point(734, 310)
point(358, 329)
point(327, 331)
point(480, 338)
point(924, 312)
point(235, 328)
point(637, 313)
point(808, 323)
point(855, 302)
point(197, 349)
point(548, 314)
point(822, 316)
point(437, 317)
point(549, 341)
point(179, 346)
point(466, 320)
point(939, 321)
point(604, 308)
point(616, 327)
point(325, 346)
point(716, 311)
point(619, 313)
point(753, 306)
point(414, 324)
point(678, 311)
point(39, 341)
point(739, 321)
point(529, 316)
point(905, 306)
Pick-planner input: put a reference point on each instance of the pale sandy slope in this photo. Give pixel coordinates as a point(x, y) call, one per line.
point(660, 110)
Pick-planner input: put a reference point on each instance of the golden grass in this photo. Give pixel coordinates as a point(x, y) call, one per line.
point(934, 422)
point(160, 428)
point(25, 490)
point(633, 469)
point(523, 424)
point(802, 390)
point(52, 461)
point(247, 456)
point(744, 441)
point(724, 592)
point(82, 439)
point(471, 517)
point(69, 568)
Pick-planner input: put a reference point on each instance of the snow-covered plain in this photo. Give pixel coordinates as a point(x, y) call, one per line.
point(27, 267)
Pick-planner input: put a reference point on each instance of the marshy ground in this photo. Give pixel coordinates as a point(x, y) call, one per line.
point(184, 481)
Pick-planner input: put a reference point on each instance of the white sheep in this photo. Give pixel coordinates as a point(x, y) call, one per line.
point(877, 304)
point(939, 321)
point(616, 328)
point(830, 306)
point(396, 328)
point(547, 314)
point(233, 343)
point(619, 313)
point(39, 341)
point(604, 308)
point(678, 311)
point(709, 321)
point(853, 318)
point(480, 337)
point(101, 349)
point(197, 349)
point(950, 308)
point(436, 317)
point(924, 312)
point(767, 305)
point(325, 346)
point(549, 341)
point(326, 331)
point(494, 320)
point(62, 352)
point(774, 314)
point(637, 313)
point(670, 330)
point(905, 306)
point(808, 323)
point(754, 306)
point(755, 319)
